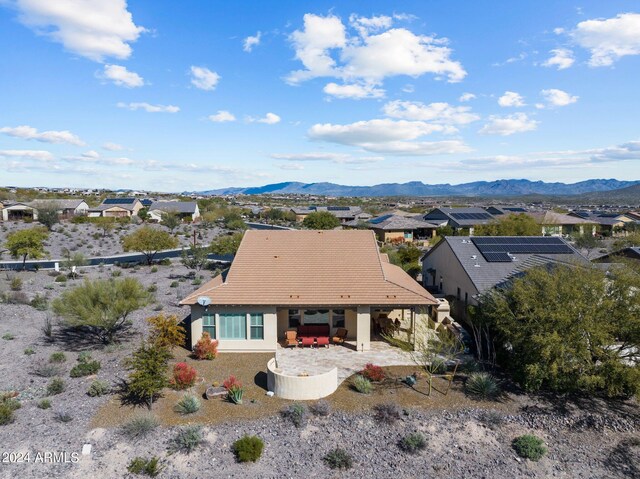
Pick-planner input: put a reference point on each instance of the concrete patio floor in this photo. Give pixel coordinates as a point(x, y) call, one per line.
point(311, 361)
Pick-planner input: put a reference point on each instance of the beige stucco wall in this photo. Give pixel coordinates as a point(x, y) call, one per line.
point(268, 344)
point(453, 274)
point(351, 323)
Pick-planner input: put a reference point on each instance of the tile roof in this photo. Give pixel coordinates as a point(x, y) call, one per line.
point(60, 204)
point(338, 211)
point(459, 217)
point(553, 218)
point(312, 268)
point(396, 222)
point(174, 206)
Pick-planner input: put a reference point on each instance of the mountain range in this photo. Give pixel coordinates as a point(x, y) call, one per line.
point(503, 188)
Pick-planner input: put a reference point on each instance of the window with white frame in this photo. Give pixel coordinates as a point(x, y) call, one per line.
point(257, 326)
point(209, 324)
point(233, 326)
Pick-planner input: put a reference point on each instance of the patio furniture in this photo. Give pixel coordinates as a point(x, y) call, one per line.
point(313, 330)
point(291, 338)
point(340, 336)
point(322, 341)
point(307, 341)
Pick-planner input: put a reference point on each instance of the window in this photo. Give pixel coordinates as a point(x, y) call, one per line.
point(233, 326)
point(316, 316)
point(338, 318)
point(257, 326)
point(408, 234)
point(209, 324)
point(466, 298)
point(458, 294)
point(294, 318)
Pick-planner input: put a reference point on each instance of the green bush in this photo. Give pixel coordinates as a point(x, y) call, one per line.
point(530, 447)
point(362, 384)
point(63, 416)
point(61, 278)
point(85, 369)
point(189, 404)
point(187, 440)
point(99, 388)
point(8, 404)
point(152, 289)
point(482, 386)
point(56, 386)
point(296, 413)
point(57, 357)
point(8, 337)
point(16, 283)
point(413, 443)
point(338, 459)
point(148, 467)
point(154, 269)
point(44, 404)
point(29, 351)
point(248, 448)
point(174, 284)
point(139, 427)
point(47, 370)
point(39, 302)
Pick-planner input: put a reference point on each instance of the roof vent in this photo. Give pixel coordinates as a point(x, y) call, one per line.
point(474, 256)
point(294, 296)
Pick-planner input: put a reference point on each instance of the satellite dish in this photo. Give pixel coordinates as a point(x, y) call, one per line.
point(204, 300)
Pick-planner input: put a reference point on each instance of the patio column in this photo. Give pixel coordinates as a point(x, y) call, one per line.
point(363, 331)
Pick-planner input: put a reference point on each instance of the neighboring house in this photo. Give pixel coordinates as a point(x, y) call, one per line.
point(64, 207)
point(612, 224)
point(629, 253)
point(504, 210)
point(184, 209)
point(459, 218)
point(117, 208)
point(18, 211)
point(464, 267)
point(343, 213)
point(397, 229)
point(558, 224)
point(634, 215)
point(280, 280)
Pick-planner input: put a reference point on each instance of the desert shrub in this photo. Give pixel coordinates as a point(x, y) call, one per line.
point(85, 368)
point(44, 404)
point(47, 370)
point(8, 404)
point(148, 467)
point(320, 408)
point(139, 427)
point(206, 348)
point(99, 388)
point(248, 448)
point(16, 283)
point(387, 413)
point(56, 386)
point(84, 356)
point(234, 389)
point(116, 273)
point(174, 284)
point(39, 302)
point(61, 278)
point(154, 269)
point(47, 329)
point(338, 459)
point(482, 386)
point(184, 376)
point(189, 404)
point(492, 419)
point(166, 331)
point(63, 416)
point(413, 443)
point(196, 282)
point(372, 372)
point(17, 297)
point(57, 357)
point(187, 440)
point(8, 337)
point(296, 413)
point(530, 447)
point(29, 351)
point(361, 384)
point(152, 289)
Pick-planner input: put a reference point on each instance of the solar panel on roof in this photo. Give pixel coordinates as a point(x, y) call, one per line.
point(497, 257)
point(115, 201)
point(521, 245)
point(380, 219)
point(337, 208)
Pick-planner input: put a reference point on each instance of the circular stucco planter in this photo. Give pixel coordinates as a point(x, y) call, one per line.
point(300, 388)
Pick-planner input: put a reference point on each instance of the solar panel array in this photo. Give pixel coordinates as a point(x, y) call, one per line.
point(116, 201)
point(496, 249)
point(515, 209)
point(471, 216)
point(380, 219)
point(338, 208)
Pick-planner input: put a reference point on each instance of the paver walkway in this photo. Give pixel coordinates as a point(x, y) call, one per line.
point(312, 361)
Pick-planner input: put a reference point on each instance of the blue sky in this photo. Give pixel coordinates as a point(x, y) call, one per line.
point(189, 95)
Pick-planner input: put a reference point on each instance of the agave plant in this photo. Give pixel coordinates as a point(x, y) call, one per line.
point(482, 386)
point(235, 395)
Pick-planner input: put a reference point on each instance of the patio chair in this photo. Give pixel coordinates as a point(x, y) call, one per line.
point(340, 336)
point(307, 341)
point(291, 338)
point(322, 341)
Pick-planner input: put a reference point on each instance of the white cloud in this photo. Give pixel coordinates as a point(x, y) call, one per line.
point(112, 146)
point(251, 41)
point(435, 112)
point(354, 91)
point(508, 125)
point(94, 29)
point(387, 136)
point(222, 116)
point(291, 166)
point(38, 155)
point(148, 107)
point(269, 119)
point(29, 133)
point(203, 78)
point(609, 39)
point(365, 56)
point(561, 58)
point(555, 97)
point(466, 97)
point(122, 77)
point(339, 158)
point(511, 98)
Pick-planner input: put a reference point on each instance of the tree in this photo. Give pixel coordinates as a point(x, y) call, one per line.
point(102, 306)
point(228, 244)
point(587, 241)
point(27, 243)
point(143, 214)
point(166, 331)
point(321, 220)
point(569, 329)
point(519, 224)
point(48, 215)
point(171, 220)
point(149, 241)
point(148, 366)
point(105, 223)
point(196, 257)
point(73, 261)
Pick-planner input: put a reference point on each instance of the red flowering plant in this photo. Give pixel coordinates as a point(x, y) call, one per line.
point(184, 376)
point(373, 373)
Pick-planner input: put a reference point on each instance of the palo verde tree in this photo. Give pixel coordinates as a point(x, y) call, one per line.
point(27, 243)
point(148, 241)
point(196, 257)
point(519, 224)
point(228, 244)
point(171, 220)
point(321, 220)
point(568, 329)
point(105, 223)
point(103, 306)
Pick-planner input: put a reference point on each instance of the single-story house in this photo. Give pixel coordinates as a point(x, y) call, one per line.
point(395, 228)
point(117, 208)
point(628, 253)
point(184, 209)
point(499, 210)
point(343, 213)
point(459, 218)
point(464, 266)
point(558, 224)
point(64, 207)
point(18, 211)
point(613, 224)
point(281, 280)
